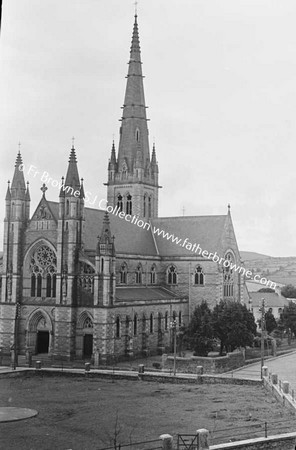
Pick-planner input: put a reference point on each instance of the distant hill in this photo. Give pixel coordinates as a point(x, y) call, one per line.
point(246, 256)
point(278, 269)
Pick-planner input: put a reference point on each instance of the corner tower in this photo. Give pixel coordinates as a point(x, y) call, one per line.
point(133, 174)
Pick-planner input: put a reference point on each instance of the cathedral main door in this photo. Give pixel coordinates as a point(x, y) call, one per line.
point(87, 345)
point(42, 341)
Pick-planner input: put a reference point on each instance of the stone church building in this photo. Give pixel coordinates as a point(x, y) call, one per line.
point(78, 282)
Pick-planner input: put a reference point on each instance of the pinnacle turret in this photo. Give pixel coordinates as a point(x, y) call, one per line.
point(72, 182)
point(8, 193)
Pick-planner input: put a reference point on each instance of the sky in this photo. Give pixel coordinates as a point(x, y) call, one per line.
point(220, 86)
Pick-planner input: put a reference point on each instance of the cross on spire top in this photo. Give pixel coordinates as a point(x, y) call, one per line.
point(73, 140)
point(19, 146)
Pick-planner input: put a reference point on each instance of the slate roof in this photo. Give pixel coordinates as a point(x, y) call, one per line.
point(203, 230)
point(271, 299)
point(126, 294)
point(131, 239)
point(54, 207)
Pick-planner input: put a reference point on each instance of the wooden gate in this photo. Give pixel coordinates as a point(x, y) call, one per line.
point(187, 442)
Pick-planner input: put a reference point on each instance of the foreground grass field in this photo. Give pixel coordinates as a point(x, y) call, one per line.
point(81, 414)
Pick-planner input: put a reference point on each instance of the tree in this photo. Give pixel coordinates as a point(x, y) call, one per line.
point(288, 317)
point(200, 330)
point(233, 325)
point(289, 291)
point(270, 322)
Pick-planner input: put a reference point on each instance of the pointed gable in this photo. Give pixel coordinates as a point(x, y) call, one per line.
point(46, 212)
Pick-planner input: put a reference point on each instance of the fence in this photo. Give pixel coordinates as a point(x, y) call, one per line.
point(156, 444)
point(216, 436)
point(259, 429)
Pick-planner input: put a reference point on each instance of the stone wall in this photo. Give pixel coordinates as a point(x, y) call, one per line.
point(279, 442)
point(210, 365)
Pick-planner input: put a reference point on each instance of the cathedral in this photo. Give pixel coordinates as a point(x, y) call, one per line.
point(115, 282)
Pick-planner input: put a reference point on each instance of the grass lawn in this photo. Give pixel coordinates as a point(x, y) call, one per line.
point(80, 414)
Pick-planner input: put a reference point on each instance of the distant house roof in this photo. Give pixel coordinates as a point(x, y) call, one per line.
point(272, 300)
point(127, 294)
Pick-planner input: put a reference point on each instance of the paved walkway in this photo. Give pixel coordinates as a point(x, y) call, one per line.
point(12, 414)
point(284, 366)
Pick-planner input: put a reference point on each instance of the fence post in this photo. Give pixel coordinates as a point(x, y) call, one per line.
point(286, 387)
point(265, 371)
point(167, 441)
point(202, 439)
point(274, 378)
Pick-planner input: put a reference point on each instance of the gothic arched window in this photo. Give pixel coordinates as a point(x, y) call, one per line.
point(43, 266)
point(48, 286)
point(228, 280)
point(149, 206)
point(118, 327)
point(153, 275)
point(139, 272)
point(33, 285)
point(137, 134)
point(166, 321)
point(119, 202)
point(172, 275)
point(199, 276)
point(128, 204)
point(145, 205)
point(151, 322)
point(135, 324)
point(88, 323)
point(39, 285)
point(123, 274)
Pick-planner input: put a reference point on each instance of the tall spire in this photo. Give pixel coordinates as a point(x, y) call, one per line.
point(18, 185)
point(134, 130)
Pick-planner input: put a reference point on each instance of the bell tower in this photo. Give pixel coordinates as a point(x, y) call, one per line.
point(133, 174)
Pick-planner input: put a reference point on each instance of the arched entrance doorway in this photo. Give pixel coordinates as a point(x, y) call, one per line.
point(39, 333)
point(87, 346)
point(84, 336)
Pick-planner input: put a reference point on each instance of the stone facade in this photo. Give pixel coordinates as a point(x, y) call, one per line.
point(79, 283)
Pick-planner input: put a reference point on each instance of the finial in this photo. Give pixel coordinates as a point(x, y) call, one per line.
point(73, 140)
point(81, 179)
point(19, 146)
point(43, 189)
point(8, 182)
point(228, 206)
